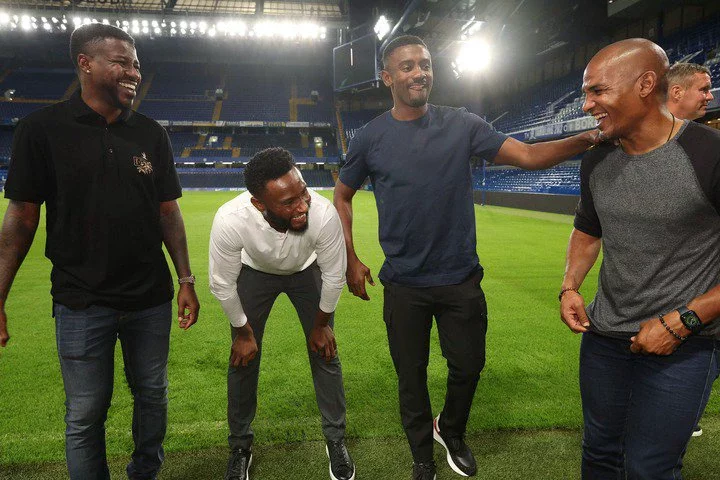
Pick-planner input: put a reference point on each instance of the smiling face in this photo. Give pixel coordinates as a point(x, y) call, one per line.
point(285, 202)
point(111, 71)
point(608, 97)
point(409, 75)
point(693, 100)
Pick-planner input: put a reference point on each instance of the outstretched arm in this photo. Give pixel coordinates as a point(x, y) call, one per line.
point(173, 230)
point(541, 155)
point(16, 236)
point(357, 272)
point(582, 252)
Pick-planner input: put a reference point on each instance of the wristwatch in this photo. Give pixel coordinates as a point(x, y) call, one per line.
point(690, 320)
point(190, 279)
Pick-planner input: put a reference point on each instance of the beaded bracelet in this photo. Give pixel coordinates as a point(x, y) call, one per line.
point(673, 332)
point(565, 290)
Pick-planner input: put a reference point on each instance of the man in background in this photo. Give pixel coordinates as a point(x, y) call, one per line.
point(688, 97)
point(688, 90)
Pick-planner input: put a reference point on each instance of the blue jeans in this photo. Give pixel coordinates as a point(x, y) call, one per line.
point(86, 347)
point(640, 410)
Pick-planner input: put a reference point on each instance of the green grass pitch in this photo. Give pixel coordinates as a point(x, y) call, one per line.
point(526, 410)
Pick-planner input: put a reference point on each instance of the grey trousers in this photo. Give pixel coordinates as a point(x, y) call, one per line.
point(258, 291)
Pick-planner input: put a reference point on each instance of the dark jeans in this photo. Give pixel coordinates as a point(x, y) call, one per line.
point(461, 315)
point(86, 347)
point(258, 291)
point(640, 410)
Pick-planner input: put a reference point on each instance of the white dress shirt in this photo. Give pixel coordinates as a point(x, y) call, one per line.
point(241, 235)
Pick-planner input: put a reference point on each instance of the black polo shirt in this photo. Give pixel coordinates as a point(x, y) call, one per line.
point(102, 185)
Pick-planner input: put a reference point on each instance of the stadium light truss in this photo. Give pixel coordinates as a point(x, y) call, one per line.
point(165, 27)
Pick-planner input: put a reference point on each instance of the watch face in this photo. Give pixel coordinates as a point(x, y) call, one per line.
point(691, 321)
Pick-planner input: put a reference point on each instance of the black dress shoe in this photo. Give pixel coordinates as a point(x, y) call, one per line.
point(239, 465)
point(341, 465)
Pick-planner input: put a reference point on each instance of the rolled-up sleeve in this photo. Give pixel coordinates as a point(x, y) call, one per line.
point(225, 265)
point(332, 260)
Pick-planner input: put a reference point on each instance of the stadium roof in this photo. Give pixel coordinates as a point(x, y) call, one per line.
point(318, 9)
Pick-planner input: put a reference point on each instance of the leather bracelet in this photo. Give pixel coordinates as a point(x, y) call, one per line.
point(672, 332)
point(565, 290)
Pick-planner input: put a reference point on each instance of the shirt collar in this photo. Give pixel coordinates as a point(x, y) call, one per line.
point(80, 109)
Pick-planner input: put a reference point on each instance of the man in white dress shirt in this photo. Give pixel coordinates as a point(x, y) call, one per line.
point(279, 237)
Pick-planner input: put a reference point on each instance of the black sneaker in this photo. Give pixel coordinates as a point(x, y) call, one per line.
point(424, 471)
point(239, 465)
point(341, 465)
point(459, 456)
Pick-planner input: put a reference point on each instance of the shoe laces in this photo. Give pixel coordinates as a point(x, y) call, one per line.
point(424, 471)
point(339, 456)
point(238, 461)
point(456, 444)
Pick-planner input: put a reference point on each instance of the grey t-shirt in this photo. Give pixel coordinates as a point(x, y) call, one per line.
point(658, 216)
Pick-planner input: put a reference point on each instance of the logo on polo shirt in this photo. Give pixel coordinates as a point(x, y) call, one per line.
point(143, 164)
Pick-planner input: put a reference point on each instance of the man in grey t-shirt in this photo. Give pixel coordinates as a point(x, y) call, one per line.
point(650, 199)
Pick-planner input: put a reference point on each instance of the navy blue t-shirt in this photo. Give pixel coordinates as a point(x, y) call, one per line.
point(420, 171)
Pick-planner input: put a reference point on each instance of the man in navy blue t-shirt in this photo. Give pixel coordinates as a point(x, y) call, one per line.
point(417, 156)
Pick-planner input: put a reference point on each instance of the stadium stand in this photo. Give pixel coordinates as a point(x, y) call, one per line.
point(560, 180)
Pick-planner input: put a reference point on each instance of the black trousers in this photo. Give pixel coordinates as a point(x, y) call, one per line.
point(460, 312)
point(258, 291)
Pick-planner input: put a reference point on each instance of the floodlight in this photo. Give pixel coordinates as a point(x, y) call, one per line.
point(145, 23)
point(173, 24)
point(211, 32)
point(173, 31)
point(382, 27)
point(25, 19)
point(105, 21)
point(183, 31)
point(193, 25)
point(47, 26)
point(473, 56)
point(63, 27)
point(44, 20)
point(54, 20)
point(155, 24)
point(183, 24)
point(4, 18)
point(146, 30)
point(135, 23)
point(157, 30)
point(136, 30)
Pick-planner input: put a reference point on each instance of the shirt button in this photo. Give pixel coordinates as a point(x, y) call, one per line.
point(110, 151)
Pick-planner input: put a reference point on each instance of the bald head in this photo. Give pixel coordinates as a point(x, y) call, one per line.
point(630, 59)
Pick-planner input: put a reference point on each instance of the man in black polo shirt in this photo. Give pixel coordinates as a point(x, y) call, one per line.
point(107, 177)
